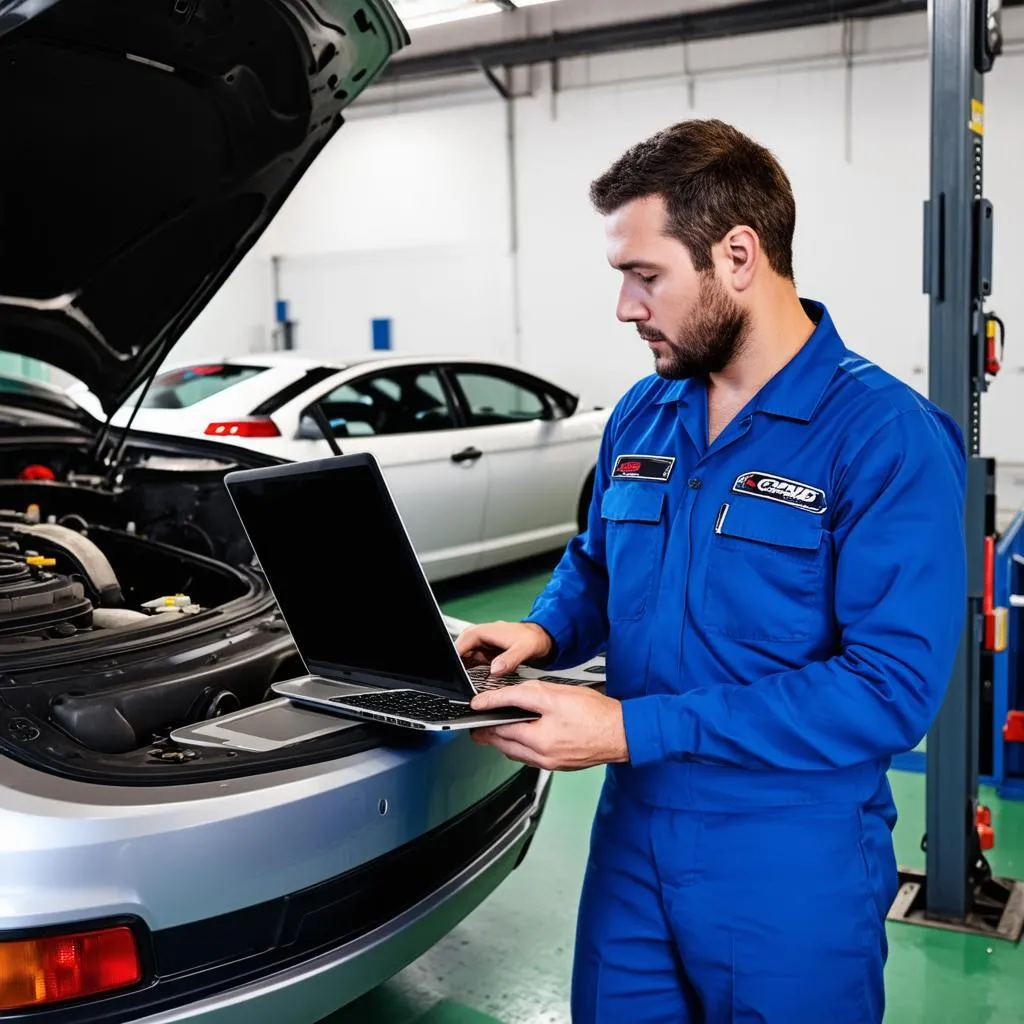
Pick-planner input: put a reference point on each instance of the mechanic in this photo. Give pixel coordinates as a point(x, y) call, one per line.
point(775, 564)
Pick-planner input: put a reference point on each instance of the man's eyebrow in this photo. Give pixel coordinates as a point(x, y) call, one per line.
point(637, 265)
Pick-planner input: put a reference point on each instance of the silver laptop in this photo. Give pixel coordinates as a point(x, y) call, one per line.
point(365, 622)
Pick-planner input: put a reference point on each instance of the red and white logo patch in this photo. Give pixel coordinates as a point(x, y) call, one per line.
point(643, 467)
point(781, 489)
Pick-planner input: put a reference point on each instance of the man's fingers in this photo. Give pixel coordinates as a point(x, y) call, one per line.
point(519, 752)
point(508, 662)
point(530, 696)
point(504, 645)
point(516, 732)
point(478, 646)
point(467, 640)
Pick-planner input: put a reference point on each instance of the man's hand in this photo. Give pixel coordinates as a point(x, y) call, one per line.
point(504, 645)
point(578, 728)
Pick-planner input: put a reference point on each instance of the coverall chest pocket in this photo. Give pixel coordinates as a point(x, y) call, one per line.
point(634, 532)
point(767, 573)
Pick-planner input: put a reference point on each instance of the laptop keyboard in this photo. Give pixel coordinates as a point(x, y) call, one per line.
point(482, 679)
point(426, 706)
point(407, 704)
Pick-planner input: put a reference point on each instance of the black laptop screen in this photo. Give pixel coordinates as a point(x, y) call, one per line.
point(344, 575)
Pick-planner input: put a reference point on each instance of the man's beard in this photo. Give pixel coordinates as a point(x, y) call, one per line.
point(709, 341)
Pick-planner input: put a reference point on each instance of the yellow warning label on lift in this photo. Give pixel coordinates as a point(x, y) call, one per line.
point(977, 122)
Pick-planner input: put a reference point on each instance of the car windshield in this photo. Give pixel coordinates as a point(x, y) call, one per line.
point(185, 386)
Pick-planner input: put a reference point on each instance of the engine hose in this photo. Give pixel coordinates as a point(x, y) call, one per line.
point(92, 562)
point(119, 618)
point(74, 515)
point(222, 703)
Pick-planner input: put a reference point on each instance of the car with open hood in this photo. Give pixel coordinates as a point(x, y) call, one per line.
point(147, 143)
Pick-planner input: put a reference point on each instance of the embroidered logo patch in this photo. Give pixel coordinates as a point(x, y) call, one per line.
point(643, 467)
point(778, 488)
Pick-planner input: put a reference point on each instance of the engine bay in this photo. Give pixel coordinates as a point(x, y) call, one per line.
point(56, 583)
point(129, 608)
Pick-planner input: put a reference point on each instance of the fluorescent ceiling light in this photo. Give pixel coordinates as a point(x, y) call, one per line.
point(425, 13)
point(417, 14)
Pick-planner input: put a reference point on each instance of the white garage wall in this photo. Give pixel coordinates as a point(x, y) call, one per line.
point(407, 215)
point(859, 238)
point(404, 219)
point(239, 318)
point(450, 299)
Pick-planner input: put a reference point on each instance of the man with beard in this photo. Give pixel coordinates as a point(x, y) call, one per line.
point(775, 565)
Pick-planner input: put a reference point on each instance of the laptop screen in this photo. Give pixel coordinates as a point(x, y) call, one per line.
point(344, 575)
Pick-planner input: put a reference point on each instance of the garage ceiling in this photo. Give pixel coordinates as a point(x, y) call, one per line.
point(420, 14)
point(449, 24)
point(515, 33)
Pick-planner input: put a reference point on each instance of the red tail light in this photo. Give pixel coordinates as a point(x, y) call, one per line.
point(253, 426)
point(37, 972)
point(37, 472)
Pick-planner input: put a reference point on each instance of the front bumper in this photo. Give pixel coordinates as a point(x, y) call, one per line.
point(330, 879)
point(308, 992)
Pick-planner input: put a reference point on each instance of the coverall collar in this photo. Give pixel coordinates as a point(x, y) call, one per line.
point(795, 391)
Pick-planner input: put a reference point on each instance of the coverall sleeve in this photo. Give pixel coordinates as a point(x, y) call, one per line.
point(900, 606)
point(573, 608)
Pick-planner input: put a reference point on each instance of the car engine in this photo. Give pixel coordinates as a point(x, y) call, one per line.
point(129, 605)
point(37, 603)
point(56, 583)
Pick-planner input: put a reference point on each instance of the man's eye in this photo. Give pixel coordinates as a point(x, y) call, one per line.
point(649, 280)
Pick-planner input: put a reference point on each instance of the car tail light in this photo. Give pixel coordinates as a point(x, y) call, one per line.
point(253, 426)
point(51, 969)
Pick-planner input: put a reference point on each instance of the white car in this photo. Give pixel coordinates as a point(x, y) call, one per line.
point(488, 464)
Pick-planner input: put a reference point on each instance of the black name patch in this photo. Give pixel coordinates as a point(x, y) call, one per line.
point(643, 467)
point(778, 488)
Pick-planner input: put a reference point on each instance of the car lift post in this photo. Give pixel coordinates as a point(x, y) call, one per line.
point(957, 891)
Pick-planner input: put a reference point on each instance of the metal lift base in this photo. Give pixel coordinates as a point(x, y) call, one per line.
point(997, 908)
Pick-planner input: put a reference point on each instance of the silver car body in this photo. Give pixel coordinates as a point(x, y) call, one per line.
point(173, 856)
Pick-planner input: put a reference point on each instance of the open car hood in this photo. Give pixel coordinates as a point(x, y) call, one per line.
point(146, 146)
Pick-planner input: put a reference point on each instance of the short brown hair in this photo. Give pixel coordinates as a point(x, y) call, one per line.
point(712, 178)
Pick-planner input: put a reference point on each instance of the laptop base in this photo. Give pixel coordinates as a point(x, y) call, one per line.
point(327, 695)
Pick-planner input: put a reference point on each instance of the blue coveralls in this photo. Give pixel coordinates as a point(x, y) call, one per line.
point(780, 613)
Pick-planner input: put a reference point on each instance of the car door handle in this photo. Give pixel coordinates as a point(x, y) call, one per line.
point(467, 455)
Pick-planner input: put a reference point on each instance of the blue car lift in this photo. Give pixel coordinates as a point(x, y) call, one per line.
point(1008, 669)
point(957, 890)
point(1001, 704)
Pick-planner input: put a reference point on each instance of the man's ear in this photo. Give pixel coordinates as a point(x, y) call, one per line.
point(742, 249)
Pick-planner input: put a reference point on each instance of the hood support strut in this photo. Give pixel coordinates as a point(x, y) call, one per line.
point(112, 459)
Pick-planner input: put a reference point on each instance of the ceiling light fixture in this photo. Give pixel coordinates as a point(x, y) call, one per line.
point(416, 14)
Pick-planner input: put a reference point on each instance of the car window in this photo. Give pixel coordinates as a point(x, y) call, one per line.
point(178, 389)
point(401, 401)
point(493, 399)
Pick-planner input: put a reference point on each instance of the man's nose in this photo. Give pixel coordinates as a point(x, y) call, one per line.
point(630, 309)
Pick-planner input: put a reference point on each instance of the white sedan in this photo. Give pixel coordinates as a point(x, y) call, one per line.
point(488, 464)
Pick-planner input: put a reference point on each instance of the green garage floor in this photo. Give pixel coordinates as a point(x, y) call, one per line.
point(509, 963)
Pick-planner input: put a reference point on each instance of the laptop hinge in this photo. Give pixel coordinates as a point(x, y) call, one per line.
point(354, 677)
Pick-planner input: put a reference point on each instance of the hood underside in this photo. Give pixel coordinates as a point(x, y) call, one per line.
point(146, 146)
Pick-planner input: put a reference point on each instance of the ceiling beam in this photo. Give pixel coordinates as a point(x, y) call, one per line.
point(716, 23)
